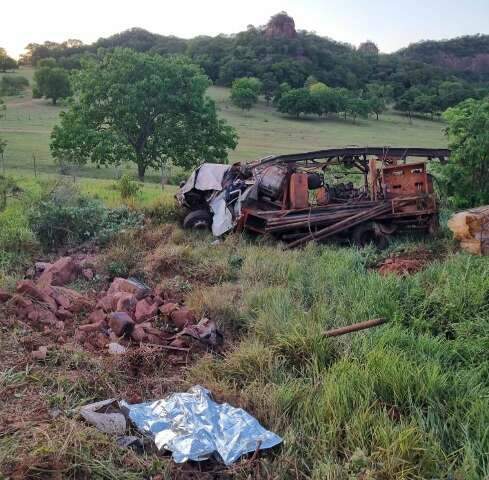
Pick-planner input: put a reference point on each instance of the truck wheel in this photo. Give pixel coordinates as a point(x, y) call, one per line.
point(367, 233)
point(198, 220)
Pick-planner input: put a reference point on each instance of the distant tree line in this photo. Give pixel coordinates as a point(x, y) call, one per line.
point(275, 60)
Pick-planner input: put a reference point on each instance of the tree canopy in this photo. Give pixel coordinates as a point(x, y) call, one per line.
point(245, 92)
point(52, 81)
point(466, 176)
point(144, 108)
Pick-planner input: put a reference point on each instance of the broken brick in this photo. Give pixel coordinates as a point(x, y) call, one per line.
point(121, 323)
point(182, 317)
point(27, 287)
point(168, 308)
point(105, 303)
point(129, 285)
point(144, 310)
point(138, 334)
point(126, 302)
point(63, 271)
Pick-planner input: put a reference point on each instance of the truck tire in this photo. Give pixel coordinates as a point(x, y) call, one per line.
point(198, 220)
point(368, 233)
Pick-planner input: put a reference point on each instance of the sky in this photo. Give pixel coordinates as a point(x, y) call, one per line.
point(389, 23)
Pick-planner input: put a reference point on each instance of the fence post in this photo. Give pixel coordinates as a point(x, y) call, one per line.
point(35, 167)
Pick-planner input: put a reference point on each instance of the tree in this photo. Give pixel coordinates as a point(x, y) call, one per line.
point(406, 102)
point(325, 97)
point(144, 108)
point(245, 92)
point(358, 107)
point(466, 175)
point(378, 95)
point(6, 62)
point(297, 102)
point(269, 86)
point(51, 81)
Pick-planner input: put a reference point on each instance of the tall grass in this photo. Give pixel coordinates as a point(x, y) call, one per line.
point(408, 400)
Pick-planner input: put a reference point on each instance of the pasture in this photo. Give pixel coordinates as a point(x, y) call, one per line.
point(262, 132)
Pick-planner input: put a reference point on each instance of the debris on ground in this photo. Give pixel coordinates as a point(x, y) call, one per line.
point(471, 229)
point(190, 425)
point(127, 312)
point(405, 263)
point(105, 416)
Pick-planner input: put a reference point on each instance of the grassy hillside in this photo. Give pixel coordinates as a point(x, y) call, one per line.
point(262, 132)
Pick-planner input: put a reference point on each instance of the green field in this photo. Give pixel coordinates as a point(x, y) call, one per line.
point(262, 132)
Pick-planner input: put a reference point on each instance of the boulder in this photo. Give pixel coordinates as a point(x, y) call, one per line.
point(63, 271)
point(145, 309)
point(129, 285)
point(121, 323)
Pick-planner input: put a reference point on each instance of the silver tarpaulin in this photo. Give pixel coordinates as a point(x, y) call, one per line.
point(194, 427)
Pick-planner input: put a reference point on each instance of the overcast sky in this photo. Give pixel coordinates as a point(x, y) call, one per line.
point(391, 24)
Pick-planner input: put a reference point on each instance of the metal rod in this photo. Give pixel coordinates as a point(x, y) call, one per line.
point(356, 327)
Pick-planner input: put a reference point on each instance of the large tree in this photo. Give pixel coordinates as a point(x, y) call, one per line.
point(144, 108)
point(52, 81)
point(466, 175)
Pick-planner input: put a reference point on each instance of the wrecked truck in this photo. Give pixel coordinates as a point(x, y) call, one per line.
point(361, 194)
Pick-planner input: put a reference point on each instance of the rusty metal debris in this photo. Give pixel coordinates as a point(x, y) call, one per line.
point(356, 327)
point(361, 194)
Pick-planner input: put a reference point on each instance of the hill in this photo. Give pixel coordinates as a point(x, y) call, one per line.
point(467, 56)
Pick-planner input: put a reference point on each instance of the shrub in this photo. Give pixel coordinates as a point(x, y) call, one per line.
point(164, 210)
point(13, 85)
point(127, 187)
point(64, 217)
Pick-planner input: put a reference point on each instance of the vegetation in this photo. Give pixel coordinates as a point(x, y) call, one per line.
point(6, 62)
point(52, 81)
point(466, 177)
point(245, 92)
point(127, 187)
point(13, 85)
point(153, 111)
point(276, 53)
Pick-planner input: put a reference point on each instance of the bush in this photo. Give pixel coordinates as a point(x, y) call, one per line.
point(127, 187)
point(64, 217)
point(13, 85)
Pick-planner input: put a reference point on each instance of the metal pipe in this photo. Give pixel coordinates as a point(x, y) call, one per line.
point(356, 327)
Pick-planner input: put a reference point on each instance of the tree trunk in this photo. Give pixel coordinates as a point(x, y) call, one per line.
point(54, 100)
point(377, 116)
point(141, 167)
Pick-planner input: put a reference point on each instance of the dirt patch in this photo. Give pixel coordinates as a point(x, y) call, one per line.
point(405, 263)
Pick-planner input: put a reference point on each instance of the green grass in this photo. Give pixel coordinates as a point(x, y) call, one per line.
point(262, 132)
point(405, 401)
